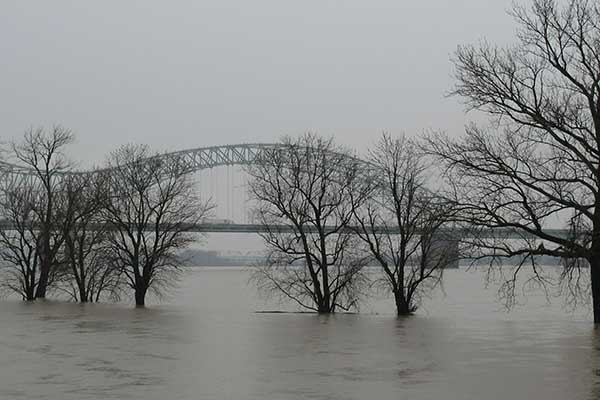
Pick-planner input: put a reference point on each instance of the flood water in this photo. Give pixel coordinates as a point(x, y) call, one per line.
point(208, 342)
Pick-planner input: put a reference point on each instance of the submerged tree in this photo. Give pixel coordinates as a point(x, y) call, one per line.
point(151, 207)
point(302, 189)
point(42, 153)
point(538, 164)
point(19, 239)
point(404, 224)
point(89, 273)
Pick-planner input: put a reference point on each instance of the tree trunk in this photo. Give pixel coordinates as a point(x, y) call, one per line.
point(595, 278)
point(594, 261)
point(45, 265)
point(83, 298)
point(324, 307)
point(140, 295)
point(401, 304)
point(29, 294)
point(43, 281)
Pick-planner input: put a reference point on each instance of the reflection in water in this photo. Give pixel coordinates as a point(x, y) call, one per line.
point(208, 342)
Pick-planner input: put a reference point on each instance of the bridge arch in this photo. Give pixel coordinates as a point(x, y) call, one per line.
point(196, 159)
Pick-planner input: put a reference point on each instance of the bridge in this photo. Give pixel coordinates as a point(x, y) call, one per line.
point(454, 233)
point(258, 228)
point(195, 159)
point(210, 158)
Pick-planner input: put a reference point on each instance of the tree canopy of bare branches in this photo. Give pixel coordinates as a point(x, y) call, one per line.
point(88, 272)
point(402, 223)
point(42, 152)
point(305, 185)
point(19, 245)
point(150, 206)
point(537, 164)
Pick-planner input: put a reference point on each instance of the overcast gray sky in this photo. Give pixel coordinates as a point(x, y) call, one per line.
point(180, 74)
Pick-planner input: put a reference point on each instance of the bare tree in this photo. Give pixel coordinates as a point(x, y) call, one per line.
point(404, 224)
point(19, 238)
point(43, 153)
point(303, 202)
point(537, 165)
point(89, 272)
point(151, 207)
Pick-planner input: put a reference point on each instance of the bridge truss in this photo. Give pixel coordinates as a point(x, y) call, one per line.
point(203, 158)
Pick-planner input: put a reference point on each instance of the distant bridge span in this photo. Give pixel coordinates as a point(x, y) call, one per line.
point(259, 228)
point(193, 159)
point(451, 233)
point(217, 156)
point(202, 158)
point(196, 159)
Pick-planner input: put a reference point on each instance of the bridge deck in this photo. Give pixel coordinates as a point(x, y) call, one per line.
point(257, 228)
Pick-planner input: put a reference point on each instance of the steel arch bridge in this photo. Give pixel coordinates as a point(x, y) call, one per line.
point(218, 156)
point(203, 158)
point(191, 160)
point(196, 159)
